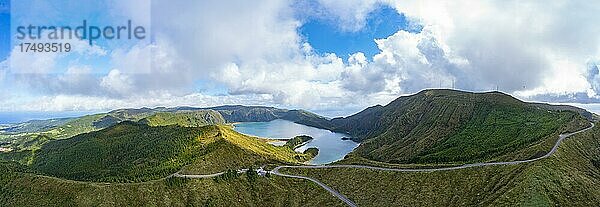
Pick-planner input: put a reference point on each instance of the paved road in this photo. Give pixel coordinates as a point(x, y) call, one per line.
point(552, 151)
point(196, 176)
point(350, 203)
point(275, 171)
point(179, 175)
point(331, 190)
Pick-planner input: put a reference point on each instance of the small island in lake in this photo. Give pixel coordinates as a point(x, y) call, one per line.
point(298, 141)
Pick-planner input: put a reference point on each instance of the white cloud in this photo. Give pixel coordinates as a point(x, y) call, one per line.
point(349, 15)
point(95, 103)
point(77, 80)
point(138, 11)
point(3, 87)
point(211, 34)
point(408, 62)
point(137, 59)
point(543, 46)
point(593, 77)
point(32, 63)
point(117, 82)
point(292, 83)
point(253, 51)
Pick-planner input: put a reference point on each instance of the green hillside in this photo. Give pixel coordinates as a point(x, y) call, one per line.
point(237, 151)
point(132, 152)
point(22, 144)
point(76, 126)
point(184, 118)
point(568, 178)
point(124, 157)
point(18, 188)
point(34, 126)
point(237, 113)
point(442, 126)
point(297, 141)
point(25, 137)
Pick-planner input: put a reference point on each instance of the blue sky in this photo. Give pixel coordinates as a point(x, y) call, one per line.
point(4, 28)
point(207, 53)
point(326, 36)
point(72, 13)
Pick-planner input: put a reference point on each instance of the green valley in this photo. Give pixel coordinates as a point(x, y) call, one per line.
point(133, 152)
point(447, 126)
point(19, 188)
point(293, 103)
point(188, 156)
point(569, 178)
point(183, 118)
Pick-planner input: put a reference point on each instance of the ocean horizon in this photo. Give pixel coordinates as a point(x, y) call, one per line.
point(23, 116)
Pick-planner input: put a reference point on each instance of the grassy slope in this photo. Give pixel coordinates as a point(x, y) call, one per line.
point(26, 143)
point(77, 126)
point(33, 126)
point(23, 189)
point(522, 134)
point(569, 178)
point(297, 141)
point(131, 152)
point(124, 152)
point(188, 119)
point(24, 137)
point(66, 128)
point(260, 147)
point(444, 126)
point(23, 143)
point(237, 113)
point(236, 151)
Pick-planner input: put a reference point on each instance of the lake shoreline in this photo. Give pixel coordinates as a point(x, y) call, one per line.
point(330, 144)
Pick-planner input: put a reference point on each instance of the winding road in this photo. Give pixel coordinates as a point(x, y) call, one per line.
point(179, 175)
point(331, 190)
point(349, 202)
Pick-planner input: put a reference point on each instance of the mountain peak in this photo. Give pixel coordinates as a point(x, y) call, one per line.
point(444, 125)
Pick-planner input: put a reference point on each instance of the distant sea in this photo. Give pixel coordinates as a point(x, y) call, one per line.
point(18, 117)
point(593, 107)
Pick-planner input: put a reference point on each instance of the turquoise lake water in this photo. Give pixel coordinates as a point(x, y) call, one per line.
point(330, 144)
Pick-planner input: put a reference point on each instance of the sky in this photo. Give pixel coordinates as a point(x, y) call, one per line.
point(330, 57)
